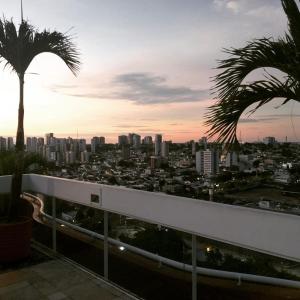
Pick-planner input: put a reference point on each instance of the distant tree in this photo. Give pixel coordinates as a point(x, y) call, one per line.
point(126, 163)
point(256, 163)
point(295, 173)
point(223, 177)
point(32, 162)
point(112, 180)
point(214, 257)
point(165, 243)
point(286, 151)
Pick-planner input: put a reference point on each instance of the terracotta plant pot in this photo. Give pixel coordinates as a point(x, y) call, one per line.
point(15, 240)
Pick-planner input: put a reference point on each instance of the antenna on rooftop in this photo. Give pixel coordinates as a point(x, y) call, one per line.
point(21, 11)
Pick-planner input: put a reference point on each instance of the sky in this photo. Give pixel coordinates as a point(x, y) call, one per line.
point(147, 67)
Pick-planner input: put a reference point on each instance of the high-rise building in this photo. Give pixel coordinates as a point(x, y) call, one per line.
point(10, 143)
point(231, 159)
point(40, 145)
point(97, 142)
point(31, 144)
point(122, 140)
point(34, 144)
point(165, 149)
point(84, 156)
point(157, 145)
point(69, 143)
point(147, 140)
point(199, 162)
point(70, 157)
point(130, 138)
point(82, 145)
point(61, 145)
point(3, 146)
point(41, 141)
point(48, 137)
point(269, 140)
point(74, 146)
point(207, 162)
point(102, 140)
point(136, 140)
point(193, 148)
point(51, 143)
point(49, 153)
point(203, 142)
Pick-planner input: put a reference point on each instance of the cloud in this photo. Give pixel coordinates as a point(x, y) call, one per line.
point(175, 124)
point(145, 88)
point(232, 5)
point(129, 126)
point(265, 11)
point(150, 130)
point(147, 119)
point(246, 120)
point(278, 116)
point(254, 8)
point(267, 118)
point(59, 87)
point(140, 88)
point(219, 4)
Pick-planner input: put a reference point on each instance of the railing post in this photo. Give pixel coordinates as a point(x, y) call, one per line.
point(54, 224)
point(105, 245)
point(194, 270)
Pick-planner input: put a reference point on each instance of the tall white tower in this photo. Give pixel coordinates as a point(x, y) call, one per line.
point(207, 162)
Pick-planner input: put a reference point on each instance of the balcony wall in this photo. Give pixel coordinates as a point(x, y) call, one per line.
point(260, 230)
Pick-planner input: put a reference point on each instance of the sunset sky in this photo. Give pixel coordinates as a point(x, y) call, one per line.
point(146, 68)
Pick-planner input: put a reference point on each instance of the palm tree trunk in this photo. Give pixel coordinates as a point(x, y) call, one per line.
point(16, 185)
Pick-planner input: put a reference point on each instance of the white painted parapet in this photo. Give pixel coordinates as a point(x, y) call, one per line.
point(260, 230)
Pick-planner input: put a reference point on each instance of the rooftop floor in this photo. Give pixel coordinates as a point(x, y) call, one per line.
point(56, 279)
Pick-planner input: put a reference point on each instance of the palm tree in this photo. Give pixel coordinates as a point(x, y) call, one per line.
point(234, 96)
point(18, 48)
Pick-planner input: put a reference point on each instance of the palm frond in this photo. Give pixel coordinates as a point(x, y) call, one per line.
point(293, 14)
point(235, 96)
point(19, 48)
point(260, 53)
point(223, 117)
point(8, 41)
point(58, 44)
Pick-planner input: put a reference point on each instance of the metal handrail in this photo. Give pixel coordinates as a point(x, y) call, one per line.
point(178, 265)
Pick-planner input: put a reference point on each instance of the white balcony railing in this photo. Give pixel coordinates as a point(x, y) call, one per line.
point(260, 230)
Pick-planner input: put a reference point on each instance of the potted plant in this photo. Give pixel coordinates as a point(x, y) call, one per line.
point(18, 47)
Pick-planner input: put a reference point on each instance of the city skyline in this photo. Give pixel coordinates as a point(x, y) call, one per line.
point(141, 136)
point(147, 68)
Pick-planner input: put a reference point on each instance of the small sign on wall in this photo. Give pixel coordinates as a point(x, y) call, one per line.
point(96, 199)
